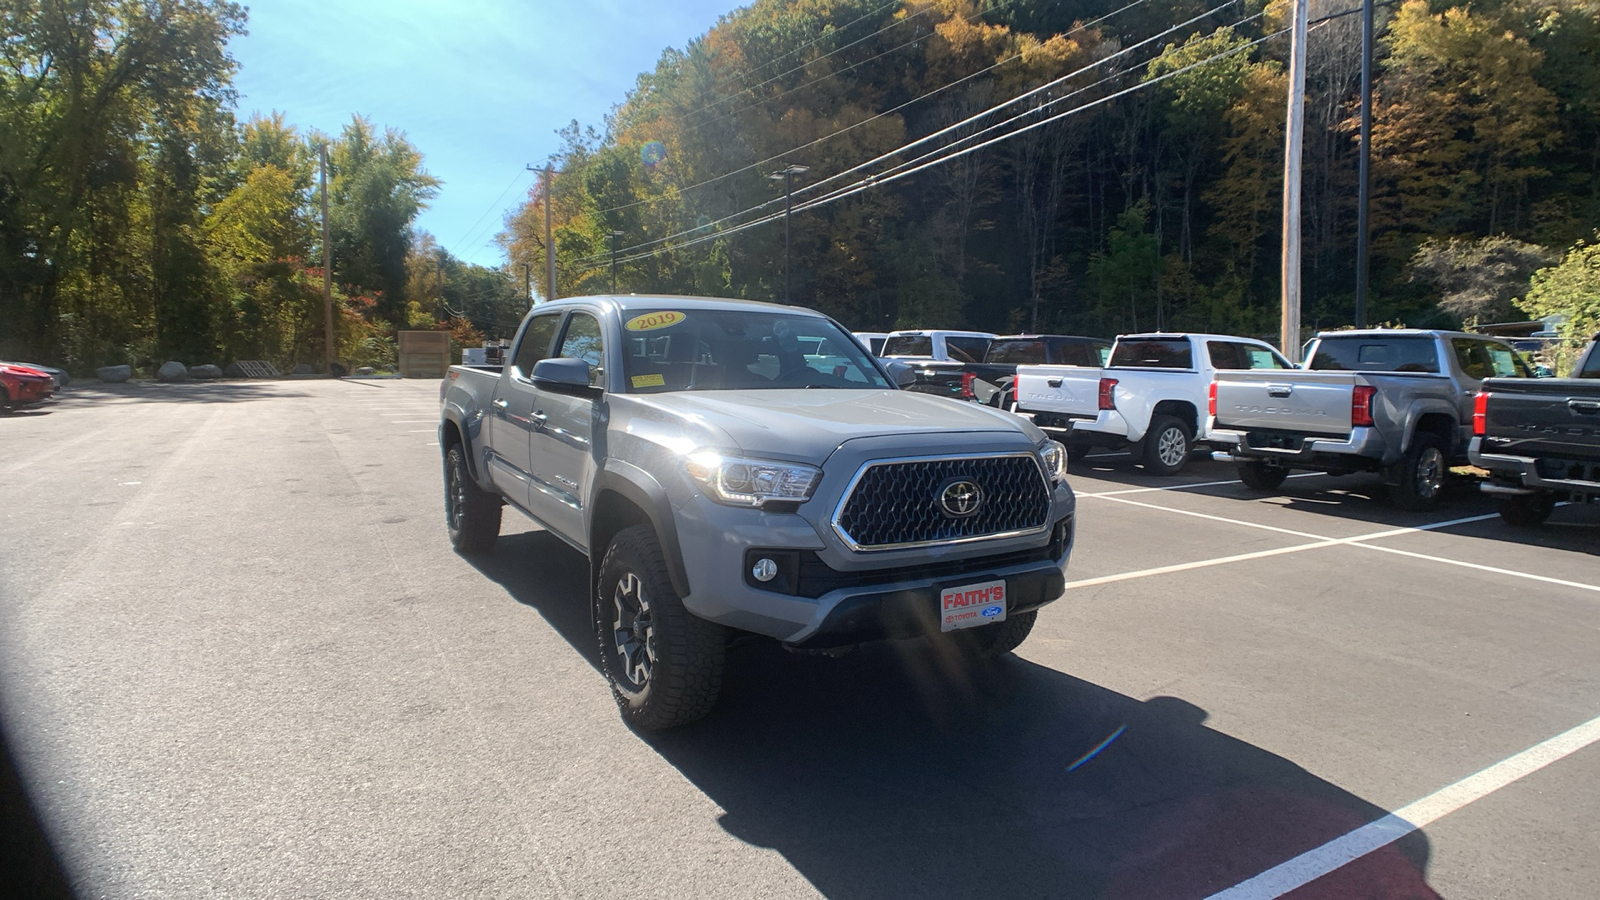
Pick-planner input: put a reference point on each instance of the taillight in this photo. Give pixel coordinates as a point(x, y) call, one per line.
point(1361, 405)
point(1480, 414)
point(1106, 386)
point(967, 378)
point(1211, 402)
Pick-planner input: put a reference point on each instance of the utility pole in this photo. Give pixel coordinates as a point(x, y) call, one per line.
point(327, 260)
point(547, 177)
point(1295, 126)
point(527, 283)
point(439, 271)
point(787, 175)
point(1362, 226)
point(613, 236)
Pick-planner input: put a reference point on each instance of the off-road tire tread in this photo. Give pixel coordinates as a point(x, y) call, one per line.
point(1525, 510)
point(687, 677)
point(995, 640)
point(1261, 477)
point(1151, 457)
point(480, 519)
point(1403, 479)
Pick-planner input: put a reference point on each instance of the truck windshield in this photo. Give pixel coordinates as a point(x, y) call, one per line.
point(1368, 353)
point(714, 349)
point(908, 345)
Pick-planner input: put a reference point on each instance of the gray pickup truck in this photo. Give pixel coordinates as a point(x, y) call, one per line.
point(1540, 440)
point(721, 479)
point(1393, 401)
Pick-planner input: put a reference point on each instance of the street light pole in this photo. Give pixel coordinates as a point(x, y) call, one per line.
point(614, 235)
point(787, 175)
point(1290, 334)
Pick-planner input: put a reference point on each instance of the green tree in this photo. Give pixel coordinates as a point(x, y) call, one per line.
point(1570, 289)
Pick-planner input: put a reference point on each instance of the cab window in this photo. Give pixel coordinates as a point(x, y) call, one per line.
point(536, 340)
point(582, 340)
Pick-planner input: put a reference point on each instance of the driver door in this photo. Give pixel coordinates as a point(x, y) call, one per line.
point(563, 439)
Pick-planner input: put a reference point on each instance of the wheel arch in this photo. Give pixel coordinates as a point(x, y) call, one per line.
point(624, 496)
point(1182, 410)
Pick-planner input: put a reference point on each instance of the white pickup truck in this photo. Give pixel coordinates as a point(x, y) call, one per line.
point(1152, 395)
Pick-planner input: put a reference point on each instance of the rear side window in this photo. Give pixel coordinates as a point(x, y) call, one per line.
point(966, 349)
point(1488, 359)
point(536, 340)
point(1236, 355)
point(1153, 354)
point(1375, 354)
point(1591, 368)
point(908, 345)
point(1023, 353)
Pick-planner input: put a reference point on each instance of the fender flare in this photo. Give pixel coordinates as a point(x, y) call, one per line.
point(453, 414)
point(1414, 416)
point(642, 490)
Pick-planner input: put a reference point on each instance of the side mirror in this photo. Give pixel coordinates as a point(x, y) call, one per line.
point(902, 373)
point(564, 376)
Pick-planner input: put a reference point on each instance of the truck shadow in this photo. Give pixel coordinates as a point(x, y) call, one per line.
point(896, 771)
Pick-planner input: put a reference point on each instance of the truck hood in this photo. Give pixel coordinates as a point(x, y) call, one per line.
point(807, 425)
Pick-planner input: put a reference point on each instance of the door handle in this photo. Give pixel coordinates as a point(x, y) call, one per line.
point(1584, 407)
point(499, 404)
point(539, 418)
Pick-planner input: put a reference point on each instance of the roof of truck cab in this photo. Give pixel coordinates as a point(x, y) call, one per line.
point(1407, 332)
point(1184, 335)
point(675, 301)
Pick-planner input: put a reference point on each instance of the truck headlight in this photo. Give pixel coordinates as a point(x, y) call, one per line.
point(751, 482)
point(1053, 457)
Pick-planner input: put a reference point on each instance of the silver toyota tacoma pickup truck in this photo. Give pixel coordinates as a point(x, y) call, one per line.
point(1393, 401)
point(722, 479)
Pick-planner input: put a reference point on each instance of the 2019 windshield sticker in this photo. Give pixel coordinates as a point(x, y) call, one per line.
point(664, 318)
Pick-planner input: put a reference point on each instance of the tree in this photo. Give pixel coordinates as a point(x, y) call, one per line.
point(1478, 280)
point(1571, 289)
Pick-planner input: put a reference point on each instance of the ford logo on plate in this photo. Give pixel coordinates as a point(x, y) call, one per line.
point(990, 612)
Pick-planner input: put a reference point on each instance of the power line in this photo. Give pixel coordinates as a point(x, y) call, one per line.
point(473, 229)
point(949, 128)
point(874, 181)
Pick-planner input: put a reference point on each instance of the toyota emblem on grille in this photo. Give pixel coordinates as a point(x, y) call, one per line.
point(960, 498)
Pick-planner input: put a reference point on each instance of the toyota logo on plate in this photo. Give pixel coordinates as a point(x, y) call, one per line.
point(960, 498)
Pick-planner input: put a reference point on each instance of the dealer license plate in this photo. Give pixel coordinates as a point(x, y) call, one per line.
point(972, 605)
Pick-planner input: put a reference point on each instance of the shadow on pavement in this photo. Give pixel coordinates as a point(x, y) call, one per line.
point(896, 772)
point(91, 393)
point(28, 866)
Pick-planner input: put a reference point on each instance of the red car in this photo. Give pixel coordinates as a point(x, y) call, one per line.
point(21, 386)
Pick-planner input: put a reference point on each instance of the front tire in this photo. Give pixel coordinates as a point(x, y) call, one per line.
point(994, 640)
point(1260, 476)
point(1167, 445)
point(471, 514)
point(1525, 510)
point(664, 663)
point(1418, 479)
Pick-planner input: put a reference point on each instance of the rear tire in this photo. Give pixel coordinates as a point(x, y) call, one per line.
point(1167, 445)
point(1525, 510)
point(1417, 481)
point(1078, 452)
point(663, 662)
point(993, 640)
point(471, 514)
point(1260, 476)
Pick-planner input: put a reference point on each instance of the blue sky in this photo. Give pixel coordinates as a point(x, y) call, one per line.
point(479, 86)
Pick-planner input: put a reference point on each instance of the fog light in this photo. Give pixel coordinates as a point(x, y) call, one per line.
point(764, 570)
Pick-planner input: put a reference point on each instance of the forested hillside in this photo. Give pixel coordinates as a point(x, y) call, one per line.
point(1146, 194)
point(140, 221)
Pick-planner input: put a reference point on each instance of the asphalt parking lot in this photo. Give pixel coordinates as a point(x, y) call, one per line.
point(238, 658)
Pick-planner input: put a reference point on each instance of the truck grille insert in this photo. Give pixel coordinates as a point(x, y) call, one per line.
point(897, 504)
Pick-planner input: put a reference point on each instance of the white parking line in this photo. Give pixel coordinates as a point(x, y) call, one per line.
point(1180, 487)
point(1483, 568)
point(1321, 541)
point(1313, 864)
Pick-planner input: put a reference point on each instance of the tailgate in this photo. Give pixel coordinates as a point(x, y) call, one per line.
point(1065, 390)
point(1285, 400)
point(1544, 416)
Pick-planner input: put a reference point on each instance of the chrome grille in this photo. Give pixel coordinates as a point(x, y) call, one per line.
point(895, 504)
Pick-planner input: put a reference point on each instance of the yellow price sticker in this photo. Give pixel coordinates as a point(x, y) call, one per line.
point(665, 318)
point(648, 381)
